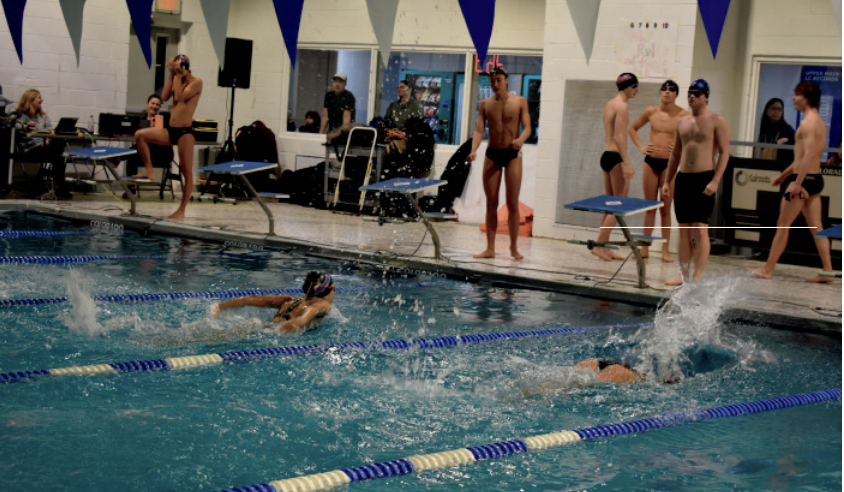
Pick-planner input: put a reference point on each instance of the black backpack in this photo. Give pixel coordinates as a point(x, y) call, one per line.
point(255, 143)
point(456, 173)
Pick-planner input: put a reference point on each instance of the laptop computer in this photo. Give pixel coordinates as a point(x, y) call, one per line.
point(66, 126)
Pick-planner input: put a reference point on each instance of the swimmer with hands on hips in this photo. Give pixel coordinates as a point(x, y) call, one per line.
point(294, 313)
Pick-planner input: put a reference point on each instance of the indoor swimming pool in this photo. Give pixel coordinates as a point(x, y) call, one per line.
point(260, 419)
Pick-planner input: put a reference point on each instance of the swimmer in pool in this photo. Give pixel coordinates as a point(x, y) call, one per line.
point(587, 372)
point(294, 313)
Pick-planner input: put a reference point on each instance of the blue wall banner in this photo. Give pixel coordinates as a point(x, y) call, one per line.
point(713, 13)
point(584, 15)
point(289, 14)
point(72, 11)
point(217, 19)
point(479, 16)
point(140, 11)
point(14, 18)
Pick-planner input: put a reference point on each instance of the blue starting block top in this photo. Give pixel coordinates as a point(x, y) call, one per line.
point(833, 232)
point(621, 206)
point(238, 167)
point(404, 185)
point(100, 153)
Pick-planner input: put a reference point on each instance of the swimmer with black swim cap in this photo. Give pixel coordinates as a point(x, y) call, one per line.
point(294, 313)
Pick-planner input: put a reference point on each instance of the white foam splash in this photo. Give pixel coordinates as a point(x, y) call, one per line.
point(688, 321)
point(84, 311)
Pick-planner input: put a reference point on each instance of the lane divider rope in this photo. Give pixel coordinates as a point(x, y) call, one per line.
point(230, 294)
point(62, 260)
point(192, 361)
point(326, 481)
point(43, 233)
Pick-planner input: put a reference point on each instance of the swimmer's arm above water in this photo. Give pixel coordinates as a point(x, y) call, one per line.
point(256, 301)
point(312, 313)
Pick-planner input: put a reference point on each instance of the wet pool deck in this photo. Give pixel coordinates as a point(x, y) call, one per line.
point(549, 264)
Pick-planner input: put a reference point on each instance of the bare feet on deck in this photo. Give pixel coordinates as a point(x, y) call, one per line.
point(819, 280)
point(178, 214)
point(676, 281)
point(515, 254)
point(644, 252)
point(666, 258)
point(150, 175)
point(602, 254)
point(489, 253)
point(761, 272)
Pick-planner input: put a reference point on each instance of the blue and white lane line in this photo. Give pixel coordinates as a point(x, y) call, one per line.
point(418, 463)
point(191, 361)
point(43, 233)
point(230, 294)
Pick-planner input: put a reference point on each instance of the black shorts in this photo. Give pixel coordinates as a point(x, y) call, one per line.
point(501, 157)
point(178, 132)
point(658, 165)
point(812, 183)
point(690, 204)
point(609, 160)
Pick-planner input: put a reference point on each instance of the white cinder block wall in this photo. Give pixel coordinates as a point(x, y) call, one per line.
point(564, 59)
point(97, 85)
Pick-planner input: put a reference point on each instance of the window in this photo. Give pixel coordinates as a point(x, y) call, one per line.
point(778, 81)
point(525, 80)
point(311, 79)
point(436, 83)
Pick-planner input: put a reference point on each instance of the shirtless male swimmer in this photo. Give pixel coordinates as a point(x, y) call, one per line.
point(699, 135)
point(185, 89)
point(503, 113)
point(663, 120)
point(616, 178)
point(803, 183)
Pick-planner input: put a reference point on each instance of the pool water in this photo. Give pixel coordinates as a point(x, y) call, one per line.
point(245, 423)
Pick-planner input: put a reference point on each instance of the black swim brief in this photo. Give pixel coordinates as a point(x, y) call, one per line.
point(812, 183)
point(501, 157)
point(610, 159)
point(690, 204)
point(658, 165)
point(178, 132)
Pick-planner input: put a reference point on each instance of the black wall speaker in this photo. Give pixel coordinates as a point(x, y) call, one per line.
point(238, 67)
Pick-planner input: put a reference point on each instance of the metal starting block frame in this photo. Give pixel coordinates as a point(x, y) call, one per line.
point(241, 169)
point(621, 207)
point(407, 187)
point(96, 154)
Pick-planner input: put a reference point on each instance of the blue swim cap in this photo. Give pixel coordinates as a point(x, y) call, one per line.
point(700, 85)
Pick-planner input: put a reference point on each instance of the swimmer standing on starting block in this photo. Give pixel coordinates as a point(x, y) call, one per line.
point(503, 113)
point(616, 178)
point(294, 313)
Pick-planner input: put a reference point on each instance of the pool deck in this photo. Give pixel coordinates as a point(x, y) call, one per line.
point(551, 264)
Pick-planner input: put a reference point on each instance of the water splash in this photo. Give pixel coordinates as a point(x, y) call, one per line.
point(84, 311)
point(687, 330)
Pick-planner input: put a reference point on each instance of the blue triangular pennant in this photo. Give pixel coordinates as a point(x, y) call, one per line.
point(479, 16)
point(140, 12)
point(289, 14)
point(14, 18)
point(713, 13)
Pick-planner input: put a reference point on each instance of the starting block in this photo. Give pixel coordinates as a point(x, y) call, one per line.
point(96, 154)
point(407, 187)
point(621, 207)
point(241, 169)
